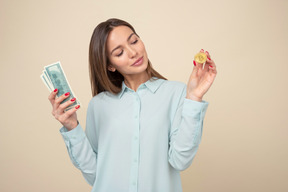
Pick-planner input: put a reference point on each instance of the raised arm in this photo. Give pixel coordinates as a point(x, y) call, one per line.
point(186, 132)
point(79, 148)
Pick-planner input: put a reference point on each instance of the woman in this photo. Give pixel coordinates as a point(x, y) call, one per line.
point(141, 129)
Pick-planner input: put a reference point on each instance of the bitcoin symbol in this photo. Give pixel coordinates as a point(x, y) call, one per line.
point(200, 58)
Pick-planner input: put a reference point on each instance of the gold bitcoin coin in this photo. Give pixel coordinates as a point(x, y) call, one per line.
point(200, 58)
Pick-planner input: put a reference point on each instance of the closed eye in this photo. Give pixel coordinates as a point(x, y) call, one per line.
point(120, 54)
point(134, 42)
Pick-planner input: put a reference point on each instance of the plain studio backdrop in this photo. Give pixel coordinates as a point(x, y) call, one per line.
point(244, 145)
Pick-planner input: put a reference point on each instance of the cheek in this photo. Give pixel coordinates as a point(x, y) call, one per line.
point(143, 49)
point(142, 46)
point(119, 62)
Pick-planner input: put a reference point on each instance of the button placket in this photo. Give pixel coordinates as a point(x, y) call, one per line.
point(135, 145)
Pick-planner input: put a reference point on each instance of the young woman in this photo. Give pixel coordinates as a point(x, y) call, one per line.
point(141, 129)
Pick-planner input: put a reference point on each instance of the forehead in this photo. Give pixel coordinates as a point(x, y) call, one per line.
point(118, 36)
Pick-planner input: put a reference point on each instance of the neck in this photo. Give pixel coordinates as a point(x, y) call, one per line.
point(134, 81)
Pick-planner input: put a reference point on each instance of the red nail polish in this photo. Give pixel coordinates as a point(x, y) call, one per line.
point(202, 50)
point(209, 58)
point(194, 63)
point(66, 94)
point(55, 90)
point(207, 52)
point(73, 99)
point(77, 107)
point(210, 66)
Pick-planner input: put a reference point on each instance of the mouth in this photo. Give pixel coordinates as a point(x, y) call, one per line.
point(138, 62)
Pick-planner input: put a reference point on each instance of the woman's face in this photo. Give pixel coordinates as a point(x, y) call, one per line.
point(126, 52)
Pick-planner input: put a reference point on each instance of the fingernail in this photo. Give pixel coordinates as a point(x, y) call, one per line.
point(194, 63)
point(55, 90)
point(73, 99)
point(202, 50)
point(77, 107)
point(66, 94)
point(207, 52)
point(209, 58)
point(210, 66)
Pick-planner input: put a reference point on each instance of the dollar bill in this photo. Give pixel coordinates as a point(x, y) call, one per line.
point(42, 76)
point(54, 77)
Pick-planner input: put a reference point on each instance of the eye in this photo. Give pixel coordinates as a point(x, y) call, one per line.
point(134, 42)
point(120, 54)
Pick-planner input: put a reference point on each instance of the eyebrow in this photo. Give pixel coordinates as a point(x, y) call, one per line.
point(120, 45)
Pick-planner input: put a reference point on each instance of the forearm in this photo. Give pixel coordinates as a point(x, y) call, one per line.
point(186, 135)
point(81, 153)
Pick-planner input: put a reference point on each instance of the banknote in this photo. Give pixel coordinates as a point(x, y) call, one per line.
point(54, 77)
point(42, 76)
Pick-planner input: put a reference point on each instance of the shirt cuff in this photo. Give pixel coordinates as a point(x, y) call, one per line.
point(74, 136)
point(194, 108)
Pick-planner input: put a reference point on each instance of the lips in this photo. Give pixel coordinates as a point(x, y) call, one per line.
point(138, 62)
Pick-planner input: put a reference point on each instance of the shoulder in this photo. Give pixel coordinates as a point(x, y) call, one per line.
point(99, 98)
point(172, 89)
point(174, 85)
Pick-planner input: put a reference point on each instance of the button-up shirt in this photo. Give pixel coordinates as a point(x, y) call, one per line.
point(138, 141)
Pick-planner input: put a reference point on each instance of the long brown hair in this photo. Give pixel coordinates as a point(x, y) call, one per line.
point(100, 77)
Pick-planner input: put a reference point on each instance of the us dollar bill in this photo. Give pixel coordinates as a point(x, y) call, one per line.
point(54, 77)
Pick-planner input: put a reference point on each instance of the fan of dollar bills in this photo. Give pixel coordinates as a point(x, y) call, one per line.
point(54, 77)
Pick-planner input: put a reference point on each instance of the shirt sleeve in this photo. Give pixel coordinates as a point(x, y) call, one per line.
point(79, 149)
point(186, 132)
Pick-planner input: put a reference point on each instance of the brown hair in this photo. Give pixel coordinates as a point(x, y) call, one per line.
point(100, 77)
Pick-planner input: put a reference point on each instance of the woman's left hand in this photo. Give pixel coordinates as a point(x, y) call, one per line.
point(201, 78)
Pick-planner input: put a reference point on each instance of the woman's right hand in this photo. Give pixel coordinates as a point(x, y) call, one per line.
point(69, 118)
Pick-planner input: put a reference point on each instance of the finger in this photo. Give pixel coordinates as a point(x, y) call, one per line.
point(60, 99)
point(212, 70)
point(195, 68)
point(65, 105)
point(208, 61)
point(211, 62)
point(70, 112)
point(52, 96)
point(206, 67)
point(212, 67)
point(208, 55)
point(209, 65)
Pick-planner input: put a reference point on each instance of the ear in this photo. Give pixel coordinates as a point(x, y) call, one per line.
point(111, 68)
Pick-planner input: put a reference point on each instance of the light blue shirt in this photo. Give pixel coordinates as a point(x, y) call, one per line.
point(138, 141)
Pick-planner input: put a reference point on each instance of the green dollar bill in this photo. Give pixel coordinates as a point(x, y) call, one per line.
point(55, 78)
point(44, 79)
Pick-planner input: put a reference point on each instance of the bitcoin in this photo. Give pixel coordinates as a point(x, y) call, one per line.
point(200, 58)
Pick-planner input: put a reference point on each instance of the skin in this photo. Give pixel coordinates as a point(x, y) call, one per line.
point(201, 79)
point(123, 49)
point(126, 53)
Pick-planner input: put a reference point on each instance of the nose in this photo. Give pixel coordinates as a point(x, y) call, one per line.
point(131, 52)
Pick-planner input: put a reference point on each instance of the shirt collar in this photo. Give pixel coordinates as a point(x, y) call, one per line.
point(152, 84)
point(124, 87)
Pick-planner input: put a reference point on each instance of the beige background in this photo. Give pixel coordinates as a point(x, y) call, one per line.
point(244, 145)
